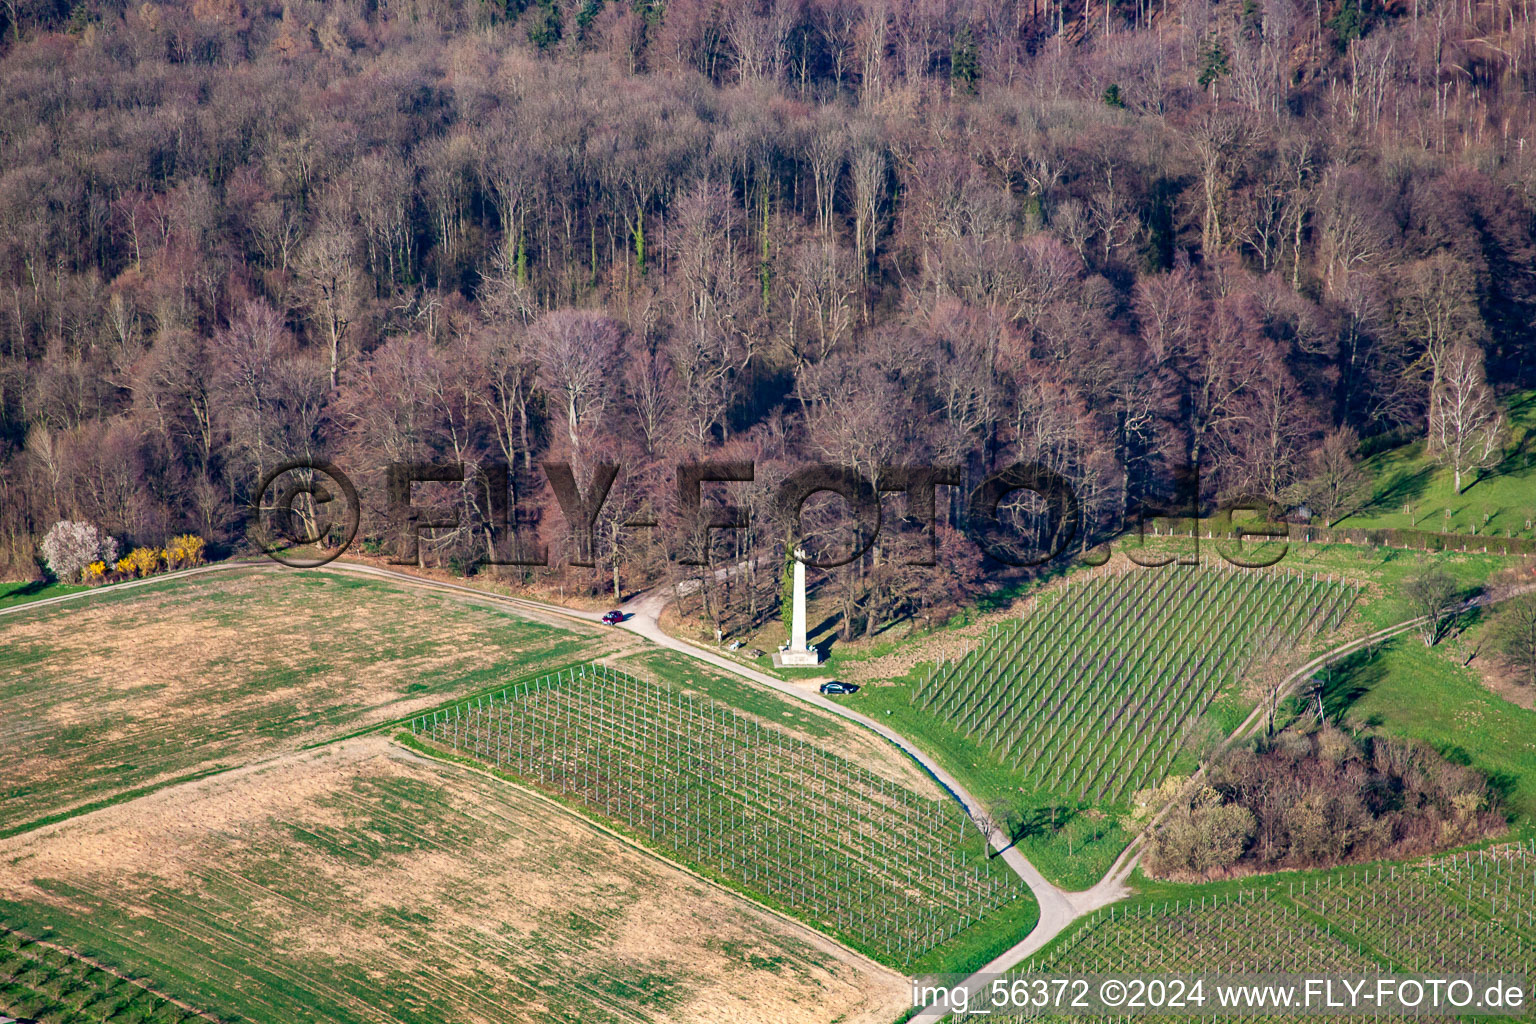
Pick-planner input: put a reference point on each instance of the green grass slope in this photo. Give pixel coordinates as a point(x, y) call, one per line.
point(1410, 490)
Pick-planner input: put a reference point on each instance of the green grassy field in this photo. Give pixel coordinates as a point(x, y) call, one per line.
point(1406, 688)
point(361, 882)
point(117, 692)
point(12, 594)
point(40, 982)
point(1408, 490)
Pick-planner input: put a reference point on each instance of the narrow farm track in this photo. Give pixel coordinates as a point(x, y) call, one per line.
point(1058, 908)
point(1114, 880)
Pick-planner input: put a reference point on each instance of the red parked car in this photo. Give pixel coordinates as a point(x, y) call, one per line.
point(613, 618)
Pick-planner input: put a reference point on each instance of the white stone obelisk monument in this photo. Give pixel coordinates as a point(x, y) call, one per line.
point(797, 654)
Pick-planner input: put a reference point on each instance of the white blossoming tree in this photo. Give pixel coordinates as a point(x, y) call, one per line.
point(70, 547)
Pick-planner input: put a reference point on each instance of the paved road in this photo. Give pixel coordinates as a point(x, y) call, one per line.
point(1058, 908)
point(1113, 883)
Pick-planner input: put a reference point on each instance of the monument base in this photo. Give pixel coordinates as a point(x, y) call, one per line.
point(797, 659)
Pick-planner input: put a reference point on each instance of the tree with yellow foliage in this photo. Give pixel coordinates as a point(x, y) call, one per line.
point(145, 561)
point(184, 551)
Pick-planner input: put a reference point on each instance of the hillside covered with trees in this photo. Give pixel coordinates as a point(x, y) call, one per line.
point(1112, 239)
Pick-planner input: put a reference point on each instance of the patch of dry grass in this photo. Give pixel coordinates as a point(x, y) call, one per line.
point(363, 882)
point(114, 693)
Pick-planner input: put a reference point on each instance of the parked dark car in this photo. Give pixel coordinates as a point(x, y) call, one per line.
point(835, 687)
point(614, 617)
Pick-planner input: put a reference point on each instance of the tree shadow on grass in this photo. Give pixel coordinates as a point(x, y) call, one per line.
point(1502, 784)
point(1517, 459)
point(888, 625)
point(1465, 620)
point(1401, 489)
point(1347, 680)
point(21, 593)
point(1012, 590)
point(1027, 823)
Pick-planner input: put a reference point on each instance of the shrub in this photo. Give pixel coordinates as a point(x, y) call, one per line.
point(1516, 637)
point(184, 552)
point(1201, 836)
point(1320, 798)
point(70, 547)
point(144, 561)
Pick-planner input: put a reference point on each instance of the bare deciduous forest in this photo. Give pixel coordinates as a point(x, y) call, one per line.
point(1111, 239)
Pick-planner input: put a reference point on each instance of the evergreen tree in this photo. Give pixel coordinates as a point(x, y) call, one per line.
point(1350, 23)
point(588, 13)
point(964, 59)
point(1213, 62)
point(545, 27)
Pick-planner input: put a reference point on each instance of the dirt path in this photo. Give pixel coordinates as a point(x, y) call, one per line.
point(1113, 885)
point(1058, 908)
